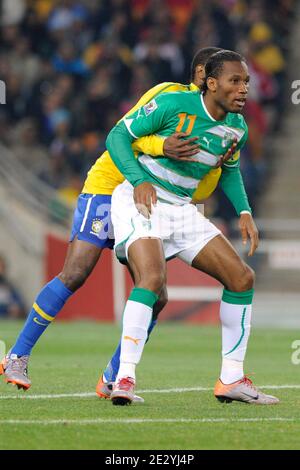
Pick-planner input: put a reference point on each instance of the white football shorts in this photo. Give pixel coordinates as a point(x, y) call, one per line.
point(183, 229)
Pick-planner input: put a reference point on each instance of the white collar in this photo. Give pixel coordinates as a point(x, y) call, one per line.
point(205, 108)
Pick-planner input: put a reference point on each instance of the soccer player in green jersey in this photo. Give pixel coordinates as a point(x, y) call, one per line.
point(154, 220)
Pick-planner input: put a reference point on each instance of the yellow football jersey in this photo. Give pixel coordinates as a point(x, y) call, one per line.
point(104, 176)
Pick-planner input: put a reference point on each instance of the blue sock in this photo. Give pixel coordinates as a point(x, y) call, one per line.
point(112, 367)
point(151, 326)
point(48, 303)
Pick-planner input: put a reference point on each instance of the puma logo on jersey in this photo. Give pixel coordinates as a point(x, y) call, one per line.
point(135, 340)
point(207, 141)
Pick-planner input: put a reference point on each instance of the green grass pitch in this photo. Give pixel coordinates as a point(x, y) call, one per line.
point(70, 356)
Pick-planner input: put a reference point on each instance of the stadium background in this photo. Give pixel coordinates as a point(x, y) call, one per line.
point(72, 68)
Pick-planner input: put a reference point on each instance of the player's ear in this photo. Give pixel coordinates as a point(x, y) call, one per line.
point(211, 84)
point(200, 70)
point(199, 75)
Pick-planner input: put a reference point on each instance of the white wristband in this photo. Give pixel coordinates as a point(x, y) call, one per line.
point(245, 212)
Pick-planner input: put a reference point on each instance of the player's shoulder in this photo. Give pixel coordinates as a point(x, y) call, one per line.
point(236, 120)
point(171, 87)
point(172, 102)
point(178, 95)
point(172, 98)
point(167, 87)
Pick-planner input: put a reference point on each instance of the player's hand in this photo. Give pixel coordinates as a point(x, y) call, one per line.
point(248, 229)
point(178, 148)
point(144, 196)
point(228, 154)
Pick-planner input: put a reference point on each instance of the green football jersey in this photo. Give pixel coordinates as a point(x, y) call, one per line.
point(185, 112)
point(175, 181)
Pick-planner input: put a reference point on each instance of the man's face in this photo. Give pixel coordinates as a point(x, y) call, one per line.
point(230, 89)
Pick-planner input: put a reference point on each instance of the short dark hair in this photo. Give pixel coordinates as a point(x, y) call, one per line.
point(201, 57)
point(215, 63)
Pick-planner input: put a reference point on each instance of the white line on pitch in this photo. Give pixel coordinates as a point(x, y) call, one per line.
point(168, 390)
point(84, 422)
point(47, 397)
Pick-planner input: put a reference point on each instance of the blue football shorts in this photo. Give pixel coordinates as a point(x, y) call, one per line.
point(92, 220)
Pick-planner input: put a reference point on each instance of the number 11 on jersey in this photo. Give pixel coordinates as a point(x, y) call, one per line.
point(183, 118)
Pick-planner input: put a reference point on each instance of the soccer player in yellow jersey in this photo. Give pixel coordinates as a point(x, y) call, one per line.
point(91, 233)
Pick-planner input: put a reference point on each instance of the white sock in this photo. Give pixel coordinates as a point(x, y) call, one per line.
point(136, 320)
point(236, 324)
point(127, 369)
point(231, 371)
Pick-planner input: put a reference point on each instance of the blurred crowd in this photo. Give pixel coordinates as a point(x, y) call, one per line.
point(72, 68)
point(11, 302)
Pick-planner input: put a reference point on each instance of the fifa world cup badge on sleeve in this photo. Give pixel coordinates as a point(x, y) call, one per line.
point(150, 107)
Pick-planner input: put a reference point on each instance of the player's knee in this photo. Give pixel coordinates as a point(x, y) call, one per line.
point(245, 280)
point(154, 281)
point(73, 279)
point(249, 278)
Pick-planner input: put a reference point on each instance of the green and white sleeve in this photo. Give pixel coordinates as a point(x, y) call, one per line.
point(145, 121)
point(231, 180)
point(232, 184)
point(118, 143)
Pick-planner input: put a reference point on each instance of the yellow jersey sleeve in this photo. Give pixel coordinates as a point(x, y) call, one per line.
point(210, 181)
point(207, 185)
point(150, 145)
point(165, 87)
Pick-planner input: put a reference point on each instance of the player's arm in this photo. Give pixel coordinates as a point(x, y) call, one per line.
point(145, 121)
point(150, 145)
point(176, 147)
point(118, 144)
point(231, 182)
